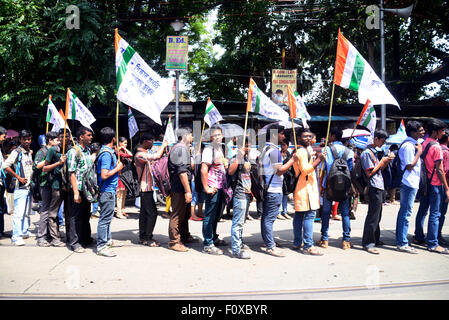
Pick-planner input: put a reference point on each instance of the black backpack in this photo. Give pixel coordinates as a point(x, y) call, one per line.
point(424, 180)
point(290, 179)
point(197, 172)
point(338, 184)
point(259, 187)
point(396, 170)
point(358, 176)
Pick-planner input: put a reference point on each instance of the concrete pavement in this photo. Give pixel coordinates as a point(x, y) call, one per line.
point(143, 272)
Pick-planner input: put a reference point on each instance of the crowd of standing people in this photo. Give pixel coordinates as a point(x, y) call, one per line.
point(75, 180)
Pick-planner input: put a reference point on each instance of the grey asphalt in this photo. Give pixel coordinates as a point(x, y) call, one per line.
point(139, 272)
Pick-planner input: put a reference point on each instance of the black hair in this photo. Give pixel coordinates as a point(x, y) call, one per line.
point(435, 125)
point(181, 132)
point(445, 137)
point(412, 126)
point(25, 133)
point(122, 139)
point(215, 127)
point(279, 91)
point(381, 134)
point(82, 131)
point(146, 136)
point(50, 136)
point(338, 132)
point(106, 135)
point(275, 127)
point(2, 130)
point(95, 147)
point(394, 147)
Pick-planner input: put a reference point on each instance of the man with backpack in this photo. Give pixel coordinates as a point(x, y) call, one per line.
point(148, 209)
point(373, 167)
point(239, 171)
point(78, 229)
point(444, 141)
point(408, 161)
point(436, 188)
point(337, 186)
point(180, 170)
point(272, 171)
point(47, 229)
point(107, 172)
point(19, 166)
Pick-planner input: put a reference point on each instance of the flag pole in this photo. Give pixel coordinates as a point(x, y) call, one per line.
point(250, 98)
point(46, 131)
point(116, 131)
point(329, 122)
point(65, 118)
point(292, 117)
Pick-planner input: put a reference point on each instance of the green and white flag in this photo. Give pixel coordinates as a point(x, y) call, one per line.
point(139, 86)
point(54, 117)
point(76, 110)
point(169, 135)
point(301, 111)
point(132, 124)
point(258, 102)
point(212, 115)
point(368, 119)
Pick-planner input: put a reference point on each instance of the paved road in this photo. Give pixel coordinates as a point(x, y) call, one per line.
point(159, 273)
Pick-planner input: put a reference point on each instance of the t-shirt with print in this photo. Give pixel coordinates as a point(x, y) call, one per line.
point(217, 173)
point(78, 162)
point(107, 160)
point(366, 160)
point(435, 153)
point(53, 156)
point(271, 159)
point(243, 186)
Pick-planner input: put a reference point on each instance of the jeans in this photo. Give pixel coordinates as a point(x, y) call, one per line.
point(95, 207)
point(22, 210)
point(270, 212)
point(420, 217)
point(238, 219)
point(60, 214)
point(303, 228)
point(107, 205)
point(284, 204)
point(443, 210)
point(213, 205)
point(325, 216)
point(436, 195)
point(408, 196)
point(3, 209)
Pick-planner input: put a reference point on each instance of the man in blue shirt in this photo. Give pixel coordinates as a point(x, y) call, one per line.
point(107, 171)
point(335, 136)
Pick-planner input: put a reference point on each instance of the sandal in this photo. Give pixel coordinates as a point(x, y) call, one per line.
point(372, 250)
point(312, 251)
point(439, 249)
point(153, 243)
point(275, 252)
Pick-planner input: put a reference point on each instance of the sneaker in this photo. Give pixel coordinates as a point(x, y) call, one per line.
point(275, 252)
point(57, 243)
point(242, 255)
point(244, 246)
point(443, 241)
point(419, 242)
point(249, 218)
point(19, 242)
point(43, 243)
point(286, 216)
point(407, 249)
point(280, 217)
point(220, 243)
point(212, 250)
point(106, 253)
point(27, 235)
point(190, 239)
point(114, 244)
point(351, 216)
point(178, 247)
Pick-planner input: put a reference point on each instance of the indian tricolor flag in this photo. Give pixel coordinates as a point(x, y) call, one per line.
point(297, 107)
point(368, 117)
point(76, 110)
point(54, 117)
point(138, 85)
point(401, 129)
point(212, 115)
point(258, 102)
point(353, 72)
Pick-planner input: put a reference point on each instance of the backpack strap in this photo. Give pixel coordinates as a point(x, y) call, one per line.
point(334, 152)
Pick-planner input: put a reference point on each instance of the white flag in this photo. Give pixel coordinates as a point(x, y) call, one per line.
point(76, 110)
point(132, 124)
point(258, 102)
point(138, 85)
point(169, 135)
point(212, 115)
point(302, 110)
point(54, 117)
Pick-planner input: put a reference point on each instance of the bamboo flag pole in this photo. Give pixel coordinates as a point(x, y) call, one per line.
point(329, 123)
point(292, 105)
point(46, 131)
point(65, 119)
point(202, 131)
point(116, 131)
point(248, 105)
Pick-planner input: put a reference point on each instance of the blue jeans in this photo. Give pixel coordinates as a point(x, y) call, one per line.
point(420, 217)
point(60, 214)
point(238, 218)
point(284, 204)
point(303, 228)
point(443, 211)
point(107, 205)
point(3, 209)
point(432, 201)
point(211, 217)
point(270, 212)
point(22, 210)
point(325, 216)
point(408, 196)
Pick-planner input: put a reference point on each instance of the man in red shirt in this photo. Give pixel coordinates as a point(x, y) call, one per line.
point(438, 190)
point(444, 146)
